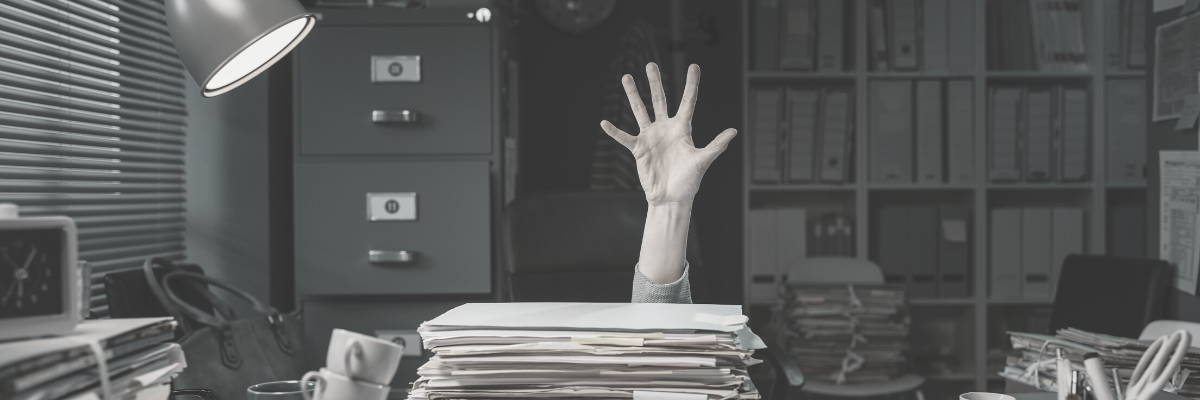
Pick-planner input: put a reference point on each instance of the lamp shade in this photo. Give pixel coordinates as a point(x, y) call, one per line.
point(224, 43)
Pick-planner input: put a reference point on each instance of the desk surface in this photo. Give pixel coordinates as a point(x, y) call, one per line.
point(1053, 396)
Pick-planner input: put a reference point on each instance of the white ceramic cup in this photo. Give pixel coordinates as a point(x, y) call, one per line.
point(984, 396)
point(335, 386)
point(362, 357)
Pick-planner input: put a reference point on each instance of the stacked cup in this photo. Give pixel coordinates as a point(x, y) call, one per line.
point(357, 367)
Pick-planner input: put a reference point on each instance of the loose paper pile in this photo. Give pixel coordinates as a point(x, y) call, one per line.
point(140, 362)
point(848, 333)
point(1032, 362)
point(588, 350)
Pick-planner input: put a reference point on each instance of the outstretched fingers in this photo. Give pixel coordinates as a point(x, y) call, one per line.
point(656, 92)
point(635, 100)
point(623, 138)
point(719, 144)
point(690, 93)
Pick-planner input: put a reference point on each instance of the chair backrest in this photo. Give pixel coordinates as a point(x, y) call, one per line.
point(581, 246)
point(834, 270)
point(1110, 294)
point(1164, 327)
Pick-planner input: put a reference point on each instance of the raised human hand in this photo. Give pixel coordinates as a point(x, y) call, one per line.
point(669, 165)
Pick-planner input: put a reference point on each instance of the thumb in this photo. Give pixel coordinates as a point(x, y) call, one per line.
point(719, 144)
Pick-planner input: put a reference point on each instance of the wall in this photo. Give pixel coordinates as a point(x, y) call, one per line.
point(562, 87)
point(226, 228)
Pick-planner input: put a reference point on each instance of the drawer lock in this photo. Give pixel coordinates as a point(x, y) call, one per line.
point(395, 117)
point(392, 257)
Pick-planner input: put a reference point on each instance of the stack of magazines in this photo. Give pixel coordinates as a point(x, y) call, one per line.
point(1032, 361)
point(587, 350)
point(847, 334)
point(139, 362)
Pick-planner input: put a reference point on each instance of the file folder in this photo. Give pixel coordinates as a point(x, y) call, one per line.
point(831, 40)
point(929, 132)
point(1038, 140)
point(935, 37)
point(791, 239)
point(904, 34)
point(798, 35)
point(960, 132)
point(1074, 135)
point(954, 249)
point(1068, 239)
point(766, 35)
point(764, 256)
point(765, 131)
point(908, 248)
point(1005, 253)
point(835, 136)
point(1004, 124)
point(891, 138)
point(802, 135)
point(879, 39)
point(962, 25)
point(1114, 54)
point(1126, 133)
point(1127, 232)
point(1036, 228)
point(1137, 34)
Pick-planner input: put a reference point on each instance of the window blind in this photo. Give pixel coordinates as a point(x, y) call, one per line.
point(92, 126)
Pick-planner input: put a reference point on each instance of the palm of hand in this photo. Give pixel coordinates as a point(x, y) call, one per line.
point(669, 165)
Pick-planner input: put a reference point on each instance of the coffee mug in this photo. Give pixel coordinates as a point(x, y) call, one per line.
point(281, 390)
point(362, 357)
point(984, 396)
point(333, 386)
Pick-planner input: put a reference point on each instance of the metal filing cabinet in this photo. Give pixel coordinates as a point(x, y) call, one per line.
point(397, 167)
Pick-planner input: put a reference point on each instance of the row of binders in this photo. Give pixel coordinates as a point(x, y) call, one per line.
point(847, 334)
point(139, 357)
point(936, 36)
point(1038, 134)
point(1027, 249)
point(926, 250)
point(802, 135)
point(588, 350)
point(922, 132)
point(1031, 352)
point(781, 237)
point(801, 35)
point(1036, 35)
point(1125, 34)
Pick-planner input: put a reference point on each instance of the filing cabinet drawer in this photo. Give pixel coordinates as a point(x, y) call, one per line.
point(448, 233)
point(348, 74)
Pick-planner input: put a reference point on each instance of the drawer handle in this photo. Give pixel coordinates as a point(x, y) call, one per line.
point(392, 257)
point(389, 117)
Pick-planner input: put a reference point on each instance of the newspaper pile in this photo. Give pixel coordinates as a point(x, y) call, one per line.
point(847, 334)
point(587, 350)
point(139, 362)
point(1032, 361)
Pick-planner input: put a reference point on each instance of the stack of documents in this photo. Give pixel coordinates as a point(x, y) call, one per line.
point(848, 333)
point(139, 357)
point(587, 350)
point(1032, 362)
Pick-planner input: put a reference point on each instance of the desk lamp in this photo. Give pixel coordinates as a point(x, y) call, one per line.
point(224, 43)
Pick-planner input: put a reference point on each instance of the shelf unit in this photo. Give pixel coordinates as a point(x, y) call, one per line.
point(859, 195)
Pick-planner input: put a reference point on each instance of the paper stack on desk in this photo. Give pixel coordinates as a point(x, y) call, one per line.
point(847, 333)
point(139, 358)
point(588, 350)
point(1030, 349)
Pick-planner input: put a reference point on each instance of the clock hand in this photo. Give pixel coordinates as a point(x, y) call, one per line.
point(29, 259)
point(9, 292)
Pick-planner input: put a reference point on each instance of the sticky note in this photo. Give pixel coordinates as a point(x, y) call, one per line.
point(1191, 110)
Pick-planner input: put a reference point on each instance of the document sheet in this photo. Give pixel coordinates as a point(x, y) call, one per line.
point(1177, 62)
point(587, 350)
point(1179, 195)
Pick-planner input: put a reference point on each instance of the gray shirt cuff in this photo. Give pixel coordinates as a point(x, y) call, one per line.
point(645, 291)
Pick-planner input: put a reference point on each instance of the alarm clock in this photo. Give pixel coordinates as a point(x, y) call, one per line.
point(40, 285)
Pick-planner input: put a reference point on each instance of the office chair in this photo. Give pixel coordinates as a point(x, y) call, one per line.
point(583, 246)
point(849, 271)
point(1112, 295)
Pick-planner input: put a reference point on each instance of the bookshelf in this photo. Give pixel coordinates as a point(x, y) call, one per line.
point(977, 321)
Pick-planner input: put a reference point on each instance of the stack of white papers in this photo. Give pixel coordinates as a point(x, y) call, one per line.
point(139, 357)
point(588, 350)
point(848, 334)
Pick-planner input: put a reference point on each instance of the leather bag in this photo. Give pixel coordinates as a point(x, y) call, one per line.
point(228, 355)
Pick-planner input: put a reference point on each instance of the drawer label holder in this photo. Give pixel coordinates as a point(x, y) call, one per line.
point(392, 206)
point(395, 69)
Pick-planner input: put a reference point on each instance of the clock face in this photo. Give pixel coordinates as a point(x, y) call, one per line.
point(575, 16)
point(31, 275)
